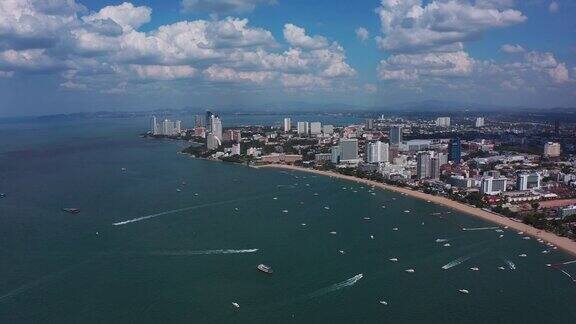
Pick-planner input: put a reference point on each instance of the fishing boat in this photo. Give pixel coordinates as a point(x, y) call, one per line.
point(264, 268)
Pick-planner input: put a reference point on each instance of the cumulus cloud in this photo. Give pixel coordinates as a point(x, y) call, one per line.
point(92, 50)
point(512, 49)
point(411, 26)
point(362, 34)
point(414, 66)
point(296, 36)
point(222, 6)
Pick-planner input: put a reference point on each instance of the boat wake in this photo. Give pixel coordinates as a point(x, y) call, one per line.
point(480, 228)
point(201, 252)
point(456, 262)
point(175, 211)
point(346, 283)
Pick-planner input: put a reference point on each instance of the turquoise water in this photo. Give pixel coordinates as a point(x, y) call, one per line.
point(186, 256)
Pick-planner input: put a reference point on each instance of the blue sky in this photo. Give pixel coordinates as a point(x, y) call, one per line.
point(63, 56)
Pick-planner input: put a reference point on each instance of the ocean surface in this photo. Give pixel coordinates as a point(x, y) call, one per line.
point(142, 252)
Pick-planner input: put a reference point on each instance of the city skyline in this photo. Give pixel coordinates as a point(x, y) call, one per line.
point(83, 56)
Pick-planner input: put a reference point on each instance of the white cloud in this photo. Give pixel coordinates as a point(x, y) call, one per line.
point(554, 7)
point(512, 49)
point(559, 74)
point(71, 85)
point(362, 34)
point(222, 6)
point(125, 15)
point(296, 36)
point(223, 74)
point(414, 66)
point(410, 26)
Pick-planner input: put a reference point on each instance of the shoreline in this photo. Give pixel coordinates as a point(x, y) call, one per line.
point(562, 243)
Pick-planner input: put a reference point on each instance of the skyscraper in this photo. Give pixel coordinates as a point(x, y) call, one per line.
point(303, 128)
point(198, 121)
point(528, 181)
point(377, 152)
point(455, 150)
point(287, 125)
point(395, 135)
point(435, 167)
point(154, 126)
point(423, 165)
point(208, 120)
point(348, 149)
point(216, 126)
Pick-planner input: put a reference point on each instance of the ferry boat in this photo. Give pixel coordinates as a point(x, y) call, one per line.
point(266, 269)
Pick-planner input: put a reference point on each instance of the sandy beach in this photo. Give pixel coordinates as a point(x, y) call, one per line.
point(561, 242)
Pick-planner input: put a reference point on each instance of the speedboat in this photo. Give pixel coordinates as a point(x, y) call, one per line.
point(333, 232)
point(410, 270)
point(235, 304)
point(395, 229)
point(383, 302)
point(266, 269)
point(464, 291)
point(522, 255)
point(371, 237)
point(501, 268)
point(474, 269)
point(393, 259)
point(341, 251)
point(447, 245)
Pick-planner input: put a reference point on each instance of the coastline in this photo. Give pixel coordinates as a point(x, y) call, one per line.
point(562, 243)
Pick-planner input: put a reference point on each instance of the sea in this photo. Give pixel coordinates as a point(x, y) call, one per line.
point(165, 238)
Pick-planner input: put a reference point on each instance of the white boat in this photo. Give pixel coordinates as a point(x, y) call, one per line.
point(464, 291)
point(383, 302)
point(526, 237)
point(395, 229)
point(522, 255)
point(520, 233)
point(178, 190)
point(410, 270)
point(393, 259)
point(501, 236)
point(333, 232)
point(545, 252)
point(326, 207)
point(474, 269)
point(303, 224)
point(285, 211)
point(366, 218)
point(406, 211)
point(371, 237)
point(315, 194)
point(235, 304)
point(275, 198)
point(501, 268)
point(447, 245)
point(341, 251)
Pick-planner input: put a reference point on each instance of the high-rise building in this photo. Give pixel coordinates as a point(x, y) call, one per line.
point(177, 127)
point(395, 135)
point(369, 124)
point(557, 127)
point(335, 154)
point(552, 149)
point(315, 128)
point(443, 121)
point(455, 150)
point(527, 181)
point(287, 125)
point(328, 129)
point(377, 152)
point(216, 126)
point(442, 158)
point(493, 186)
point(479, 122)
point(423, 165)
point(208, 120)
point(212, 142)
point(154, 126)
point(435, 167)
point(303, 128)
point(348, 150)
